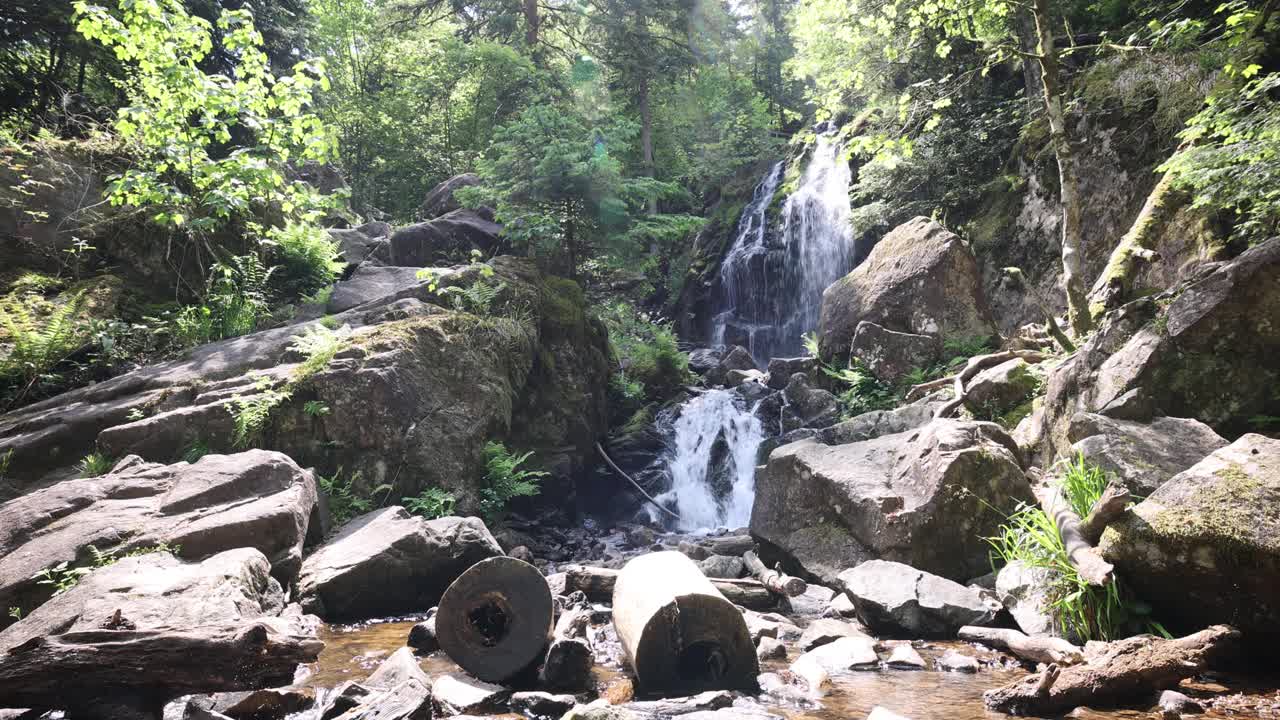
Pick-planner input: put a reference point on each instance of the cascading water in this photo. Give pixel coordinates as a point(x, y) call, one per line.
point(712, 461)
point(770, 284)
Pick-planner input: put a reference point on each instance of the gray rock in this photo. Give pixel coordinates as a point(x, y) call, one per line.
point(1024, 592)
point(893, 497)
point(891, 355)
point(896, 598)
point(440, 200)
point(723, 566)
point(905, 657)
point(733, 544)
point(998, 389)
point(693, 551)
point(841, 606)
point(704, 359)
point(781, 369)
point(735, 358)
point(447, 239)
point(397, 690)
point(876, 423)
point(422, 636)
point(952, 661)
point(808, 406)
point(256, 499)
point(542, 704)
point(459, 694)
point(1142, 456)
point(684, 706)
point(846, 653)
point(810, 604)
point(919, 279)
point(734, 378)
point(1183, 547)
point(389, 562)
point(827, 630)
point(1173, 705)
point(369, 283)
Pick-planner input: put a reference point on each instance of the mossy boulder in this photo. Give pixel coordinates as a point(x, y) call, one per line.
point(1204, 548)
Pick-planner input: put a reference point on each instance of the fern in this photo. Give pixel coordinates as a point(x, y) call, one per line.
point(476, 298)
point(506, 480)
point(431, 503)
point(251, 413)
point(319, 344)
point(95, 464)
point(38, 345)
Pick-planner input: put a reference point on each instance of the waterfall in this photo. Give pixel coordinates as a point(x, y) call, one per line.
point(770, 284)
point(711, 459)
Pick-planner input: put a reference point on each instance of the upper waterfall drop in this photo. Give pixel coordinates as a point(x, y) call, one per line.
point(770, 283)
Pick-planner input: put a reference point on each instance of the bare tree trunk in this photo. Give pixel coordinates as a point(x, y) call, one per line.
point(1072, 262)
point(646, 138)
point(531, 24)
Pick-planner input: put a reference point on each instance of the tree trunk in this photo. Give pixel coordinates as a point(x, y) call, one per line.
point(776, 581)
point(646, 138)
point(1109, 507)
point(1072, 259)
point(531, 24)
point(679, 633)
point(1130, 670)
point(1032, 649)
point(1092, 568)
point(1114, 286)
point(495, 620)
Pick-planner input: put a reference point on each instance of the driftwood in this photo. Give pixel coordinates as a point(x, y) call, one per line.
point(597, 584)
point(1025, 647)
point(1080, 552)
point(679, 633)
point(1109, 507)
point(495, 620)
point(98, 673)
point(636, 485)
point(1130, 670)
point(977, 364)
point(918, 391)
point(774, 580)
point(570, 656)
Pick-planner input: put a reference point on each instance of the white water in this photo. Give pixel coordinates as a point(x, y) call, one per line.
point(702, 421)
point(770, 284)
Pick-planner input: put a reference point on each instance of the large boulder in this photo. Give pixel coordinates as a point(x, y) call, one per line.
point(1025, 592)
point(881, 422)
point(996, 390)
point(440, 200)
point(255, 499)
point(448, 238)
point(414, 391)
point(1206, 350)
point(920, 279)
point(892, 598)
point(890, 355)
point(1204, 547)
point(370, 283)
point(389, 562)
point(1142, 456)
point(925, 497)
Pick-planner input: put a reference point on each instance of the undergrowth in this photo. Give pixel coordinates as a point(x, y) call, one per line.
point(431, 503)
point(346, 500)
point(318, 345)
point(506, 480)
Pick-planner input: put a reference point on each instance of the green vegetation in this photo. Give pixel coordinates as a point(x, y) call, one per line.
point(196, 450)
point(38, 344)
point(431, 503)
point(95, 464)
point(64, 576)
point(347, 499)
point(859, 391)
point(652, 366)
point(505, 480)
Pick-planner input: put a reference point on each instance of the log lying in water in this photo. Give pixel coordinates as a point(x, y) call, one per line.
point(1080, 552)
point(1025, 647)
point(99, 673)
point(679, 633)
point(495, 620)
point(570, 656)
point(775, 581)
point(598, 583)
point(1128, 670)
point(1109, 507)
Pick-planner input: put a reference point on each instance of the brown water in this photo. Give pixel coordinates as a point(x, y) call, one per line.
point(353, 652)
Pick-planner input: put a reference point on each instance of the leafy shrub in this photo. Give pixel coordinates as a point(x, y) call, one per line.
point(95, 464)
point(235, 302)
point(309, 258)
point(315, 408)
point(859, 391)
point(648, 353)
point(39, 344)
point(506, 480)
point(196, 450)
point(431, 503)
point(345, 499)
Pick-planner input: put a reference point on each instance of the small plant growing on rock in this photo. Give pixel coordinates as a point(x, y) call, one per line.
point(196, 450)
point(315, 408)
point(506, 480)
point(345, 499)
point(431, 503)
point(95, 464)
point(862, 392)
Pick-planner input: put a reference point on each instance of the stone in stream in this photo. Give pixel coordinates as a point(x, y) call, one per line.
point(1182, 548)
point(262, 704)
point(683, 706)
point(397, 690)
point(388, 562)
point(846, 653)
point(905, 657)
point(826, 630)
point(257, 499)
point(781, 370)
point(1025, 593)
point(734, 378)
point(895, 598)
point(923, 497)
point(541, 704)
point(953, 661)
point(841, 606)
point(693, 551)
point(723, 566)
point(459, 694)
point(1142, 456)
point(768, 648)
point(1173, 705)
point(422, 636)
point(770, 625)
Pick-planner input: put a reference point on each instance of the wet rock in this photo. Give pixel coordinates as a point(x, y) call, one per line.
point(522, 553)
point(1141, 455)
point(892, 355)
point(389, 562)
point(846, 653)
point(895, 497)
point(1173, 705)
point(781, 370)
point(895, 598)
point(841, 606)
point(693, 551)
point(1183, 547)
point(812, 603)
point(669, 707)
point(723, 566)
point(905, 657)
point(734, 378)
point(459, 694)
point(263, 704)
point(440, 200)
point(641, 537)
point(369, 283)
point(919, 279)
point(255, 499)
point(770, 625)
point(735, 544)
point(753, 392)
point(397, 690)
point(1024, 591)
point(808, 406)
point(742, 709)
point(827, 630)
point(703, 360)
point(768, 648)
point(542, 704)
point(952, 661)
point(422, 637)
point(999, 389)
point(598, 710)
point(879, 713)
point(881, 422)
point(1204, 354)
point(347, 697)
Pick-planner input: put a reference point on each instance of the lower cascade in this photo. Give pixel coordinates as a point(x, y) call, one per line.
point(712, 462)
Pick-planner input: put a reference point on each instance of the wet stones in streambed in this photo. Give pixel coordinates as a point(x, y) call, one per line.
point(723, 566)
point(904, 657)
point(893, 598)
point(827, 630)
point(768, 648)
point(953, 661)
point(461, 694)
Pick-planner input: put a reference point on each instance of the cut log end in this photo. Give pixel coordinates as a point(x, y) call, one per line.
point(495, 619)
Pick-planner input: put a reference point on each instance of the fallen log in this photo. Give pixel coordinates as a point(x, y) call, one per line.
point(1109, 508)
point(570, 657)
point(1025, 647)
point(918, 391)
point(96, 673)
point(775, 581)
point(1080, 552)
point(975, 365)
point(1130, 670)
point(680, 635)
point(495, 620)
point(636, 485)
point(597, 584)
